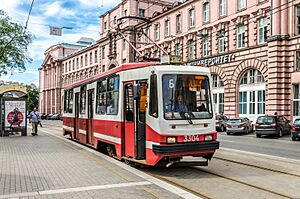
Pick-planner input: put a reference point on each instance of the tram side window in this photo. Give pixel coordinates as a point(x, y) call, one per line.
point(82, 99)
point(112, 96)
point(68, 101)
point(101, 97)
point(153, 106)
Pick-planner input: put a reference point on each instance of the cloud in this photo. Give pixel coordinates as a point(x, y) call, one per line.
point(56, 9)
point(81, 15)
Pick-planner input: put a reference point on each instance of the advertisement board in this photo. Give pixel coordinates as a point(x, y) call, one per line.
point(15, 114)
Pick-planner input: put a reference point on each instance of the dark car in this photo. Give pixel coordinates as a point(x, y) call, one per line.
point(272, 125)
point(221, 123)
point(239, 125)
point(43, 116)
point(296, 130)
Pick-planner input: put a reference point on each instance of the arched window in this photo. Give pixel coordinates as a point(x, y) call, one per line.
point(218, 94)
point(252, 94)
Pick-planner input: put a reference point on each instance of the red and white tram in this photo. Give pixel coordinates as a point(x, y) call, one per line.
point(146, 113)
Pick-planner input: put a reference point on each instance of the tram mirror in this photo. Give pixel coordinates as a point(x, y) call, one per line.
point(136, 91)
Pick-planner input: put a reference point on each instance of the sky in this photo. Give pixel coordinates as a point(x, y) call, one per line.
point(81, 15)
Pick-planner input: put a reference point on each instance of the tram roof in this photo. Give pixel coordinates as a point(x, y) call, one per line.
point(130, 66)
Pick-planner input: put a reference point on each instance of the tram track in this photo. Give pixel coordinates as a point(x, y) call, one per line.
point(177, 179)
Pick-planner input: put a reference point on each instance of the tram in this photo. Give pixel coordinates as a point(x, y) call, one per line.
point(145, 113)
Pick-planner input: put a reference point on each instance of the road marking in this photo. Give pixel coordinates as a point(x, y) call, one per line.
point(262, 155)
point(164, 185)
point(75, 189)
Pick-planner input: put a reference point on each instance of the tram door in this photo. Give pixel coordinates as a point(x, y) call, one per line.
point(76, 122)
point(89, 132)
point(129, 127)
point(134, 116)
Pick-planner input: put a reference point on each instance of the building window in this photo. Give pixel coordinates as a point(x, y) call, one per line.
point(167, 28)
point(206, 12)
point(261, 102)
point(96, 56)
point(298, 20)
point(81, 61)
point(147, 36)
point(296, 100)
point(243, 102)
point(103, 52)
point(70, 67)
point(91, 58)
point(241, 36)
point(298, 61)
point(218, 93)
point(105, 25)
point(205, 46)
point(252, 93)
point(191, 49)
point(178, 49)
point(73, 65)
point(178, 23)
point(191, 18)
point(124, 44)
point(77, 62)
point(115, 20)
point(156, 32)
point(86, 59)
point(221, 103)
point(141, 12)
point(155, 54)
point(221, 41)
point(125, 12)
point(262, 30)
point(222, 8)
point(241, 4)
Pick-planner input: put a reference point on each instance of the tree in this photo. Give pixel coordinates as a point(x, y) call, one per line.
point(14, 40)
point(33, 97)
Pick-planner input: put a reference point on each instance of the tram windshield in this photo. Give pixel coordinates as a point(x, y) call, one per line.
point(186, 97)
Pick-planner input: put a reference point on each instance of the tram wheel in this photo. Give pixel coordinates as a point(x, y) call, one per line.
point(111, 151)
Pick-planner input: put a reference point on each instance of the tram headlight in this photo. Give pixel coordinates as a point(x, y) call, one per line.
point(171, 140)
point(208, 137)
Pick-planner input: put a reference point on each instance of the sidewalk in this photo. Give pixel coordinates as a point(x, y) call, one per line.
point(46, 166)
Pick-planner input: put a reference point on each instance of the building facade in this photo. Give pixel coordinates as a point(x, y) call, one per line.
point(251, 47)
point(50, 72)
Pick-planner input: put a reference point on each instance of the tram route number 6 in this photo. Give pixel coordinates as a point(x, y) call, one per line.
point(191, 138)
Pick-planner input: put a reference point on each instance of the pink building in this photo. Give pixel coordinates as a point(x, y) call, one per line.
point(252, 48)
point(51, 75)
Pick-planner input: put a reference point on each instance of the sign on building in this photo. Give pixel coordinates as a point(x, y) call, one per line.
point(222, 59)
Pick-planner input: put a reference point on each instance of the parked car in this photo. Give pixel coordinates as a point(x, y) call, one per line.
point(48, 117)
point(43, 116)
point(272, 125)
point(56, 117)
point(296, 130)
point(221, 123)
point(239, 125)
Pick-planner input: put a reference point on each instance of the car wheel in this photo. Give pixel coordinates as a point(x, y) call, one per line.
point(280, 133)
point(293, 138)
point(222, 129)
point(258, 135)
point(228, 133)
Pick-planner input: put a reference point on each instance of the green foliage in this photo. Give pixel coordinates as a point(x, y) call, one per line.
point(33, 97)
point(13, 45)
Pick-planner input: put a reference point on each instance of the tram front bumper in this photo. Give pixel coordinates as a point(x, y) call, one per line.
point(186, 147)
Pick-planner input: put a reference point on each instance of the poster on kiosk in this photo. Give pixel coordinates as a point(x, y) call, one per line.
point(15, 114)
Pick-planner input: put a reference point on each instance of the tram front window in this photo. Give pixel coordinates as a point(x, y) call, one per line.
point(186, 97)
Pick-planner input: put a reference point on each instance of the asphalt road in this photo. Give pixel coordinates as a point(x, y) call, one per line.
point(271, 145)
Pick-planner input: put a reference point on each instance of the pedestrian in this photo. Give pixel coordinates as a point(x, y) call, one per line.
point(34, 119)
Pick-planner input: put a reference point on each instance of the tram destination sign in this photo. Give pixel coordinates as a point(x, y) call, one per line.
point(222, 59)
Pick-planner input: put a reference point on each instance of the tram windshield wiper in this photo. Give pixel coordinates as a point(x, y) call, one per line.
point(186, 116)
